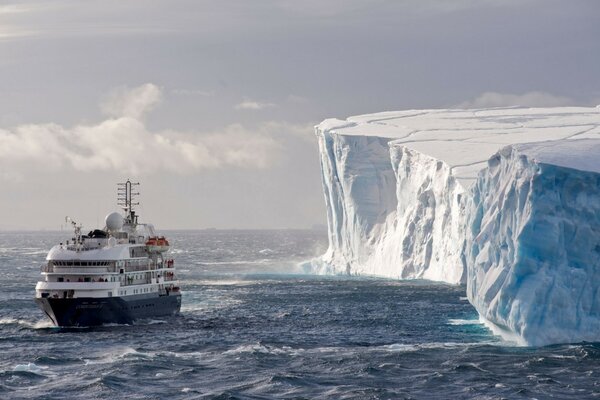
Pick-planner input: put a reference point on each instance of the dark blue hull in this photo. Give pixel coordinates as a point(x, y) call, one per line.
point(108, 310)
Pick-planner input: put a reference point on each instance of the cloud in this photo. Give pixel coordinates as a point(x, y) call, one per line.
point(253, 105)
point(123, 143)
point(134, 103)
point(529, 99)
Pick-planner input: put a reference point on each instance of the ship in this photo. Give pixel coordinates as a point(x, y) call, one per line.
point(114, 275)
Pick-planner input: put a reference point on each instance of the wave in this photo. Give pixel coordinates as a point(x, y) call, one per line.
point(257, 348)
point(266, 251)
point(464, 322)
point(29, 367)
point(116, 355)
point(41, 324)
point(129, 354)
point(35, 253)
point(150, 322)
point(402, 347)
point(211, 305)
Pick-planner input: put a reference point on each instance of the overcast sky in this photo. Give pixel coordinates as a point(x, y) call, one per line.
point(210, 105)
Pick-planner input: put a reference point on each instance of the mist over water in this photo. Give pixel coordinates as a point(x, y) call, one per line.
point(253, 325)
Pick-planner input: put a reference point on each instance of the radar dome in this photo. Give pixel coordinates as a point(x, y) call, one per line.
point(114, 221)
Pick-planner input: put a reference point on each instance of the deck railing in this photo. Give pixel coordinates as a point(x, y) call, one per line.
point(111, 268)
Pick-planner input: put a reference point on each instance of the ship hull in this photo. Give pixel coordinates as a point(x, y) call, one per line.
point(89, 311)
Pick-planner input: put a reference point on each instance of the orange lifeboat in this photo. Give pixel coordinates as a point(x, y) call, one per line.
point(157, 244)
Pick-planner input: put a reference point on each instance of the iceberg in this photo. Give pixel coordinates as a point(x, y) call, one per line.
point(505, 200)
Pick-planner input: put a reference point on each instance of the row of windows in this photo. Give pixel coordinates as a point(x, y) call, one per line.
point(136, 291)
point(79, 263)
point(85, 279)
point(139, 291)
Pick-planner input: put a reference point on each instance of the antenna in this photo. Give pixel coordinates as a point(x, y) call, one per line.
point(125, 199)
point(77, 229)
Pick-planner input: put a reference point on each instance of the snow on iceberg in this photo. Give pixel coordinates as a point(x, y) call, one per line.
point(463, 196)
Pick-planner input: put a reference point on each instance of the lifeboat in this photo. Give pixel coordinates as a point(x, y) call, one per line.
point(157, 244)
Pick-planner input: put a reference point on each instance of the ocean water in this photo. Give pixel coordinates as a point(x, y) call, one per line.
point(255, 326)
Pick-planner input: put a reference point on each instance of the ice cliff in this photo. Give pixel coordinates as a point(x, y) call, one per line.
point(504, 200)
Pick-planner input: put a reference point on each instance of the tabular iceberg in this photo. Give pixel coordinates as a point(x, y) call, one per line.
point(504, 200)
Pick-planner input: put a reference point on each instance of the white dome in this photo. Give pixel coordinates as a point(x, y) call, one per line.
point(114, 221)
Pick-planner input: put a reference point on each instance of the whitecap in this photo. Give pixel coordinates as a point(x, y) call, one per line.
point(464, 322)
point(402, 347)
point(12, 321)
point(41, 324)
point(150, 322)
point(117, 355)
point(563, 357)
point(34, 253)
point(266, 251)
point(214, 304)
point(29, 367)
point(258, 348)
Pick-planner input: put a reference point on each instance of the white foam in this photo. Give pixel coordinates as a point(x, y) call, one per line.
point(40, 324)
point(115, 355)
point(402, 348)
point(150, 322)
point(266, 251)
point(464, 322)
point(256, 348)
point(29, 367)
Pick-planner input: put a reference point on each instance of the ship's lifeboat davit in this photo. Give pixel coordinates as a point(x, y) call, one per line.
point(157, 244)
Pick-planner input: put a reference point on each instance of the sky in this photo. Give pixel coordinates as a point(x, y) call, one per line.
point(211, 104)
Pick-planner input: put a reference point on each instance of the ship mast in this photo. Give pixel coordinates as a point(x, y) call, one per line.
point(125, 199)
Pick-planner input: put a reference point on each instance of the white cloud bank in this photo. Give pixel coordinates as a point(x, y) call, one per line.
point(529, 99)
point(123, 143)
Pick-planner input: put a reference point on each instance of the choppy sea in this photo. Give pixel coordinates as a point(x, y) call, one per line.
point(254, 325)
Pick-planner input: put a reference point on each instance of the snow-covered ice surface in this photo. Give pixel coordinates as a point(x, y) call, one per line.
point(506, 200)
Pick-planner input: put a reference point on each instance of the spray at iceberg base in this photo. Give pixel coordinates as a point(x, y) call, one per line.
point(519, 224)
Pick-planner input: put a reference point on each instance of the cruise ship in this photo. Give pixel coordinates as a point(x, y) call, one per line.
point(117, 274)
